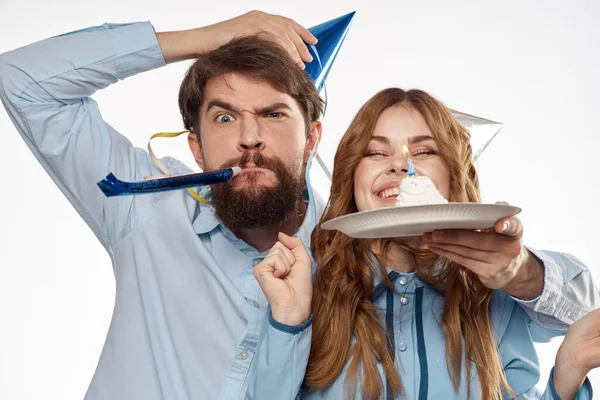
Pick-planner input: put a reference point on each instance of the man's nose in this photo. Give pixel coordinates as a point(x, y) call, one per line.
point(250, 138)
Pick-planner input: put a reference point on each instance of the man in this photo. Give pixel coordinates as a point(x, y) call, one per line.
point(188, 310)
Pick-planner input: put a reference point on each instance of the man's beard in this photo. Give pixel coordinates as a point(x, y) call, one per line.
point(257, 206)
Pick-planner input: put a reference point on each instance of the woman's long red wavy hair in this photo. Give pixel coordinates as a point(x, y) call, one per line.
point(342, 305)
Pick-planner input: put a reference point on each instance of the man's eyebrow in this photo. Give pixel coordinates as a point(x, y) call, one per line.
point(273, 107)
point(221, 104)
point(260, 111)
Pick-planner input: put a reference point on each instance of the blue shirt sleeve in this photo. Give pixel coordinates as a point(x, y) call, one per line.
point(46, 88)
point(281, 358)
point(585, 391)
point(518, 353)
point(569, 293)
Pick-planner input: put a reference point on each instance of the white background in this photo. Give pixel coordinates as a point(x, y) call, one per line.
point(532, 65)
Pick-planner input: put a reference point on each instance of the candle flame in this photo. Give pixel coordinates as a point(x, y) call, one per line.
point(405, 150)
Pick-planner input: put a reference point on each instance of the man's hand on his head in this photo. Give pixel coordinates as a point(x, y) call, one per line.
point(183, 45)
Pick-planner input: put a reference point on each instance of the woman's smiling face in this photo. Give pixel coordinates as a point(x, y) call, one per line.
point(378, 175)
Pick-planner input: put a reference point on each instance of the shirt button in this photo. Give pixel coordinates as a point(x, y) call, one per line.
point(244, 355)
point(254, 262)
point(545, 303)
point(402, 280)
point(402, 347)
point(255, 304)
point(404, 300)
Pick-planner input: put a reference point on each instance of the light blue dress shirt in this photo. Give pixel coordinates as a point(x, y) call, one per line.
point(188, 312)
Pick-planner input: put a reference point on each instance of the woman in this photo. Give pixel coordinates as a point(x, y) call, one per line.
point(392, 318)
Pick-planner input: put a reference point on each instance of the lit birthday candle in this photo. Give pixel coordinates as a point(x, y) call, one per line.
point(411, 168)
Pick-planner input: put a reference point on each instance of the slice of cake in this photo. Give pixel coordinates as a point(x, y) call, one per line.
point(418, 190)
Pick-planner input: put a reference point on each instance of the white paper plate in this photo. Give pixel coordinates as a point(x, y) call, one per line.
point(416, 220)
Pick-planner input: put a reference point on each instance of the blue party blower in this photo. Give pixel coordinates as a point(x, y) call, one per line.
point(111, 186)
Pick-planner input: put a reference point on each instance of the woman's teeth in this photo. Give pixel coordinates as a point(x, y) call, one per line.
point(389, 192)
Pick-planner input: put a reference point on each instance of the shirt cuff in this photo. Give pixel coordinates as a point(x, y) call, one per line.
point(136, 48)
point(551, 302)
point(585, 392)
point(293, 329)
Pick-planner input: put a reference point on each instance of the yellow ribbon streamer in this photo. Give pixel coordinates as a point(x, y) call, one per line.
point(164, 168)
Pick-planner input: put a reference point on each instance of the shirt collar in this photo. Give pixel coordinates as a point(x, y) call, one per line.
point(204, 220)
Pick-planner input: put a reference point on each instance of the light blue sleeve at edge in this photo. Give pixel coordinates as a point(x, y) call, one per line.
point(280, 361)
point(45, 88)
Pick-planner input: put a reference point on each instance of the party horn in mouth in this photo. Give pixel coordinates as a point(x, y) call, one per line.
point(111, 186)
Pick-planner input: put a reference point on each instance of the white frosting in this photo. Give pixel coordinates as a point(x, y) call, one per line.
point(418, 190)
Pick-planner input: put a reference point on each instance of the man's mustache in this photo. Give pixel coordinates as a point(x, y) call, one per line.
point(253, 157)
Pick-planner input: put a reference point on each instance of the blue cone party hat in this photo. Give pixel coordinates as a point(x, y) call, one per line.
point(331, 35)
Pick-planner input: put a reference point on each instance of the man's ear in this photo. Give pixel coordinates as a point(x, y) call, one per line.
point(314, 137)
point(196, 148)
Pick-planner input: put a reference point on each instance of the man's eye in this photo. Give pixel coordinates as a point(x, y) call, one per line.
point(224, 118)
point(275, 114)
